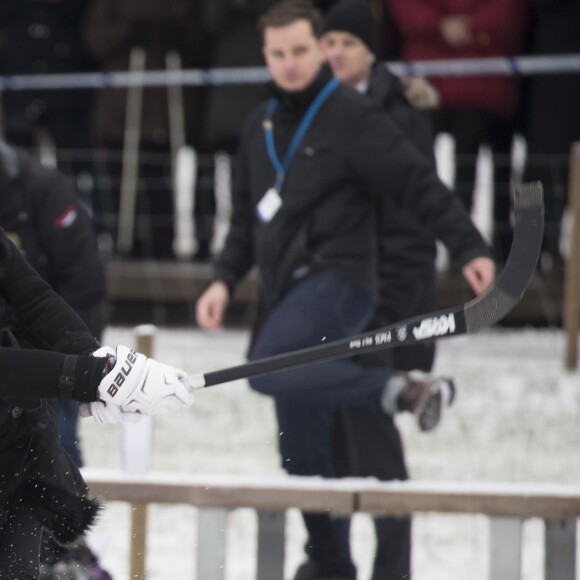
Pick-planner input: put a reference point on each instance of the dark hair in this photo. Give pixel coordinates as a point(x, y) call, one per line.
point(289, 11)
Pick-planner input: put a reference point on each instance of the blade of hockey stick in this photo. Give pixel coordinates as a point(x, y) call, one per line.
point(481, 312)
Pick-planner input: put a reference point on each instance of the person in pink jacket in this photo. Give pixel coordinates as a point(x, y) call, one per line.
point(473, 109)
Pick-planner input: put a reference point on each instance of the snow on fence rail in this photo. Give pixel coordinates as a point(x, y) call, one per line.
point(507, 506)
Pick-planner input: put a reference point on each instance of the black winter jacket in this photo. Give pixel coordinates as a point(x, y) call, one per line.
point(351, 156)
point(406, 247)
point(34, 468)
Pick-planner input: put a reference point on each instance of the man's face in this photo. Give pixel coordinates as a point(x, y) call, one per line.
point(349, 58)
point(292, 55)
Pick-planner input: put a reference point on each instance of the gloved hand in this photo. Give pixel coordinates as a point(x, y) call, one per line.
point(137, 386)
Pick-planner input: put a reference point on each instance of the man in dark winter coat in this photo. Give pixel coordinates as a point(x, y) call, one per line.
point(40, 212)
point(407, 254)
point(40, 486)
point(314, 161)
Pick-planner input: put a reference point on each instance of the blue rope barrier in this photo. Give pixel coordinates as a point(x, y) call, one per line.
point(521, 66)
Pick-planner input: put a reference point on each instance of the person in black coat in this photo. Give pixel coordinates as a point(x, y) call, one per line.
point(314, 161)
point(40, 486)
point(41, 213)
point(407, 254)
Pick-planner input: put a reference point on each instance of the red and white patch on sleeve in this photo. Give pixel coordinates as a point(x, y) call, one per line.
point(67, 218)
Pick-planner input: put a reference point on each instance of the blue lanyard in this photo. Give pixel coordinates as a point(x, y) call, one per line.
point(280, 167)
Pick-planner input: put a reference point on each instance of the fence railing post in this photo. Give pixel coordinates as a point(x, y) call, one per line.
point(571, 306)
point(505, 548)
point(271, 545)
point(137, 441)
point(211, 543)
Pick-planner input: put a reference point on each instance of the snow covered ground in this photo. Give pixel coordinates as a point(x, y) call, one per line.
point(517, 419)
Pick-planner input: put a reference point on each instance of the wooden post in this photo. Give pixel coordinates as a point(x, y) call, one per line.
point(137, 454)
point(571, 307)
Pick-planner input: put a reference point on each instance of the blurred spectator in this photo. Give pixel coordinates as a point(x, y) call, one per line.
point(553, 118)
point(112, 29)
point(308, 224)
point(40, 212)
point(407, 253)
point(41, 37)
point(474, 110)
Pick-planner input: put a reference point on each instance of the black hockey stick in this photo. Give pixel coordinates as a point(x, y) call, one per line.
point(481, 312)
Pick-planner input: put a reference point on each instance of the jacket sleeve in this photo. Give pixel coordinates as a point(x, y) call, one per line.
point(384, 159)
point(69, 242)
point(37, 374)
point(39, 312)
point(48, 323)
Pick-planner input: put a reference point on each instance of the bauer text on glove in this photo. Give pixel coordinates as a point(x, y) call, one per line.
point(138, 384)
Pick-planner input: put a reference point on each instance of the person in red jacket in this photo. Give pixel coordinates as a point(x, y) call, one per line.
point(473, 109)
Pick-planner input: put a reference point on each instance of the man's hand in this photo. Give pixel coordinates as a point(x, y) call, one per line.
point(480, 273)
point(211, 306)
point(138, 386)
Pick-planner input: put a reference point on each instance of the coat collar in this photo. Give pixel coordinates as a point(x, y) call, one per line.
point(382, 84)
point(300, 100)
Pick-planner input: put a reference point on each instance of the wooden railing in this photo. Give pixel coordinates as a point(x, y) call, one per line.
point(506, 505)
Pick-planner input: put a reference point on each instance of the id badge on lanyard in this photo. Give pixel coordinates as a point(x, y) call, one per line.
point(269, 205)
point(271, 201)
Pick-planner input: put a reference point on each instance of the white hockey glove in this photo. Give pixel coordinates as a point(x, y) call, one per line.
point(138, 386)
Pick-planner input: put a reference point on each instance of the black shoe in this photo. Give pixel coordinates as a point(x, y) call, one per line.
point(442, 395)
point(425, 397)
